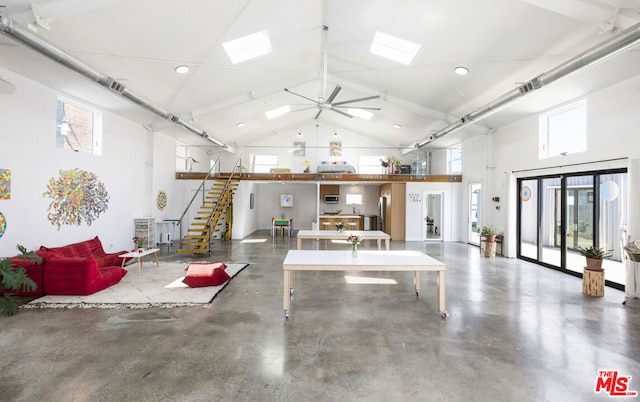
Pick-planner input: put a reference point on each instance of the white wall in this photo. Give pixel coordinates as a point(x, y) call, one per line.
point(28, 148)
point(415, 224)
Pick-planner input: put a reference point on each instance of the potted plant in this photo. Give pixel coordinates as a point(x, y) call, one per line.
point(594, 256)
point(14, 278)
point(489, 232)
point(396, 163)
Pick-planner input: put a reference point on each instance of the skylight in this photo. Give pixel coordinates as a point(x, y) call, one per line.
point(363, 114)
point(393, 48)
point(248, 47)
point(272, 114)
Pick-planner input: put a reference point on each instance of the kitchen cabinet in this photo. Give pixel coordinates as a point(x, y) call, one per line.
point(329, 189)
point(395, 209)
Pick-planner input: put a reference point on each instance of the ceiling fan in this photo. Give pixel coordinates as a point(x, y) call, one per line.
point(327, 103)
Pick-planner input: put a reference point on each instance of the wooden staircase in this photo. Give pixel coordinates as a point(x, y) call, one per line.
point(214, 215)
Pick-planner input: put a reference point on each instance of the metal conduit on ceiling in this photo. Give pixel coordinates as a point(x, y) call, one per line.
point(22, 35)
point(616, 44)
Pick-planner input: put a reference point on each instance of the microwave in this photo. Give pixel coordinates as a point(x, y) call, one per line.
point(331, 199)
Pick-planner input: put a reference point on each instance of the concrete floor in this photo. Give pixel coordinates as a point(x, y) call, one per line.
point(516, 332)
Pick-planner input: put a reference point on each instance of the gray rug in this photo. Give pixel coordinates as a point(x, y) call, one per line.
point(155, 287)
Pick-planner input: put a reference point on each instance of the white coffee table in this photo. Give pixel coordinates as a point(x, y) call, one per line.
point(335, 235)
point(367, 260)
point(139, 255)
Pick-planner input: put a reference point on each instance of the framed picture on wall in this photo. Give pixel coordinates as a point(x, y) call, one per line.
point(286, 200)
point(335, 148)
point(298, 148)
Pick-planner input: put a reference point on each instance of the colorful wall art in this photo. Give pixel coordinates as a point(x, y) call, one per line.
point(3, 224)
point(161, 200)
point(5, 184)
point(77, 196)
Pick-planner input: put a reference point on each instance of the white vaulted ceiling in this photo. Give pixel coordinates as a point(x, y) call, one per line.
point(503, 43)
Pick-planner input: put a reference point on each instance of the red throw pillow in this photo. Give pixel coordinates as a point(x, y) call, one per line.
point(200, 274)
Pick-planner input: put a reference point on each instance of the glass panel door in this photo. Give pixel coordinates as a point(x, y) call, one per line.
point(474, 213)
point(529, 219)
point(579, 219)
point(551, 222)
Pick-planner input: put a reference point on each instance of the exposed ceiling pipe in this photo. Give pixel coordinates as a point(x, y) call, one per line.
point(618, 43)
point(20, 34)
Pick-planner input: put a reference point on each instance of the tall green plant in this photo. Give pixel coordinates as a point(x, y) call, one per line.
point(15, 278)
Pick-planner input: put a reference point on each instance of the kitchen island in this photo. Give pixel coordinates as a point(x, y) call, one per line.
point(328, 222)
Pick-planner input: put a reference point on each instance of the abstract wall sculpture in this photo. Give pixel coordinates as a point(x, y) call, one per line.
point(5, 184)
point(77, 196)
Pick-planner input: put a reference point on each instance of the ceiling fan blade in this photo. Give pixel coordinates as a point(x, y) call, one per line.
point(334, 94)
point(357, 100)
point(304, 108)
point(357, 107)
point(342, 113)
point(302, 96)
point(318, 114)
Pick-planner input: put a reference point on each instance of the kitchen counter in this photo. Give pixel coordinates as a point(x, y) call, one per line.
point(341, 216)
point(327, 222)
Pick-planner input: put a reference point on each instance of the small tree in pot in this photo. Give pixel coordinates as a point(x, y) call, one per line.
point(594, 256)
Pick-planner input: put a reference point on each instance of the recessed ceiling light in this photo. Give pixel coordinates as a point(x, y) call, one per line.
point(240, 124)
point(299, 134)
point(461, 70)
point(393, 48)
point(182, 69)
point(397, 125)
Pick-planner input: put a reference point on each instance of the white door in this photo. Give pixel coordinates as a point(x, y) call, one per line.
point(475, 223)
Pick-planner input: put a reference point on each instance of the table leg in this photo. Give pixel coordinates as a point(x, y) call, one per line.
point(157, 263)
point(123, 260)
point(286, 293)
point(387, 243)
point(441, 292)
point(139, 264)
point(379, 244)
point(416, 282)
point(299, 243)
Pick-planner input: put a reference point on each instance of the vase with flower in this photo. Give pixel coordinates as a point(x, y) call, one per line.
point(138, 241)
point(339, 226)
point(354, 240)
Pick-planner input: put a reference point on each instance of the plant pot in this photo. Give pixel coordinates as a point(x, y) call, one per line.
point(491, 238)
point(594, 264)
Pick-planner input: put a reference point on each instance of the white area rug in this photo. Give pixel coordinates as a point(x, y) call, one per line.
point(155, 287)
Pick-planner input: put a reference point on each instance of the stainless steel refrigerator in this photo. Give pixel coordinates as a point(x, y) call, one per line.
point(382, 212)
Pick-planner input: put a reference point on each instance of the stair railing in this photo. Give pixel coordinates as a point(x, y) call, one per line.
point(235, 169)
point(202, 186)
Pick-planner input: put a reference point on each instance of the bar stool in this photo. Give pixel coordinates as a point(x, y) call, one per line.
point(352, 225)
point(325, 225)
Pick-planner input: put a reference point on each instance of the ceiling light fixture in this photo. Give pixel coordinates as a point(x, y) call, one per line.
point(396, 125)
point(182, 69)
point(461, 70)
point(299, 134)
point(363, 114)
point(240, 124)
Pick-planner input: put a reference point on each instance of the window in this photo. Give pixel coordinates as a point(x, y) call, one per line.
point(264, 163)
point(564, 131)
point(79, 128)
point(355, 199)
point(371, 164)
point(454, 160)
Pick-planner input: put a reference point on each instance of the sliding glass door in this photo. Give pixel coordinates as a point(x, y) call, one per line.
point(559, 214)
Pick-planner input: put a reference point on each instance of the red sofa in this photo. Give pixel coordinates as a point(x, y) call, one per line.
point(77, 269)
